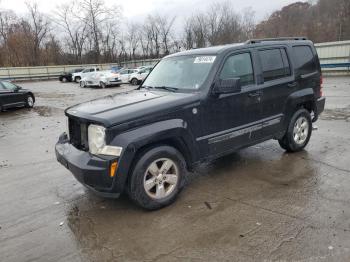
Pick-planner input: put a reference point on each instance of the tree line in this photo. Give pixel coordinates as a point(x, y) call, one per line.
point(89, 31)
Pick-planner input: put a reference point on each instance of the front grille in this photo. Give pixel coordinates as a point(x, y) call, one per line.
point(78, 134)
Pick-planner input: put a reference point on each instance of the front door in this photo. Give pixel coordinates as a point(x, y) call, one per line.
point(9, 96)
point(231, 121)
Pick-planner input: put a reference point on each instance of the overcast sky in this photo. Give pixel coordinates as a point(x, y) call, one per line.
point(180, 8)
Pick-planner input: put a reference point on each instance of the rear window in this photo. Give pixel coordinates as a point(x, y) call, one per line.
point(274, 63)
point(305, 60)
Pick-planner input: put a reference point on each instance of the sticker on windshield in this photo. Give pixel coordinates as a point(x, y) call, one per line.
point(204, 60)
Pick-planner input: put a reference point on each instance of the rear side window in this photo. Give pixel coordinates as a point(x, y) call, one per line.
point(305, 60)
point(274, 63)
point(239, 66)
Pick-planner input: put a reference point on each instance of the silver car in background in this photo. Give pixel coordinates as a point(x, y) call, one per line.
point(101, 79)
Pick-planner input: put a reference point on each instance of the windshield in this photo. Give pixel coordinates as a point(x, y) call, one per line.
point(182, 72)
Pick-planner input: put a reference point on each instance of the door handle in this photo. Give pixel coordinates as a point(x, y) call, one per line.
point(254, 94)
point(291, 85)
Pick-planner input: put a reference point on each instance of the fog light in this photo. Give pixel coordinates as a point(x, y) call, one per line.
point(113, 169)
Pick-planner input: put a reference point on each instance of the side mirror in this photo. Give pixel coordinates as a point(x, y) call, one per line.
point(17, 88)
point(228, 86)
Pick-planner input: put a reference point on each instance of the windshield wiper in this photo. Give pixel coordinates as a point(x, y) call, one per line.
point(168, 88)
point(145, 87)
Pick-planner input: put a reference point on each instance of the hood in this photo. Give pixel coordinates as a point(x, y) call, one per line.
point(124, 107)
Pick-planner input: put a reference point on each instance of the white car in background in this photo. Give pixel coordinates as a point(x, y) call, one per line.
point(125, 74)
point(138, 77)
point(145, 67)
point(101, 79)
point(76, 77)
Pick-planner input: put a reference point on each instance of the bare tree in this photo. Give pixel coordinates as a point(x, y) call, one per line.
point(74, 29)
point(133, 38)
point(199, 27)
point(165, 25)
point(188, 41)
point(95, 14)
point(7, 19)
point(40, 27)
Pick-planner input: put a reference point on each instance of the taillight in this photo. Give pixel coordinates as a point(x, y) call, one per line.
point(321, 86)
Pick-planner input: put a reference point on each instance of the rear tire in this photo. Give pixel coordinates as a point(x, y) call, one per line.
point(82, 84)
point(157, 177)
point(64, 80)
point(77, 79)
point(298, 133)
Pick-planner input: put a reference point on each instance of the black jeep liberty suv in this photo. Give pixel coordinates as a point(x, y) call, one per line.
point(194, 106)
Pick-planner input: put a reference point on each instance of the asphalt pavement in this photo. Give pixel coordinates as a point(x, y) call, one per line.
point(259, 204)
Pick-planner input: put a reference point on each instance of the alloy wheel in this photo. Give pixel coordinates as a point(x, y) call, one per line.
point(30, 101)
point(161, 178)
point(301, 130)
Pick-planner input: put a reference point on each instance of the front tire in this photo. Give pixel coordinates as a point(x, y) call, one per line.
point(82, 84)
point(29, 101)
point(103, 84)
point(134, 81)
point(298, 133)
point(64, 80)
point(157, 178)
point(77, 79)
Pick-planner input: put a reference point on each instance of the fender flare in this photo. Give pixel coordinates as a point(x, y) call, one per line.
point(297, 98)
point(134, 140)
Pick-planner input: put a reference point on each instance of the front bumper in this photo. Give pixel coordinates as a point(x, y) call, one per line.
point(90, 170)
point(320, 104)
point(113, 81)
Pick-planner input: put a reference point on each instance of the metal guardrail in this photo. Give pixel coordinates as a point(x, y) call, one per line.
point(50, 72)
point(334, 58)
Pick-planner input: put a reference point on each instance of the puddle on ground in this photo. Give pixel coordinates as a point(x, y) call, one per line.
point(47, 111)
point(336, 114)
point(53, 95)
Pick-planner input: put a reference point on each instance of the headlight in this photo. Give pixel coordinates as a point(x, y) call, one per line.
point(97, 142)
point(67, 127)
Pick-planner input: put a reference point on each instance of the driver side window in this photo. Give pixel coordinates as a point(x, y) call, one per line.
point(239, 66)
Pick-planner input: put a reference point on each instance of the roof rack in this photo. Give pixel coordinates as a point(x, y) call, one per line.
point(254, 41)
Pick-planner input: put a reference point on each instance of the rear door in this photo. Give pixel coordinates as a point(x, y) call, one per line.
point(124, 75)
point(130, 72)
point(277, 82)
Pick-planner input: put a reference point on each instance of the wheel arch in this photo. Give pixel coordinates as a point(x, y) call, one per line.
point(136, 142)
point(304, 98)
point(32, 95)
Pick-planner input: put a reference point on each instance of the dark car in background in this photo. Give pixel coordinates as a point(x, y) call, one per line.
point(12, 95)
point(67, 76)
